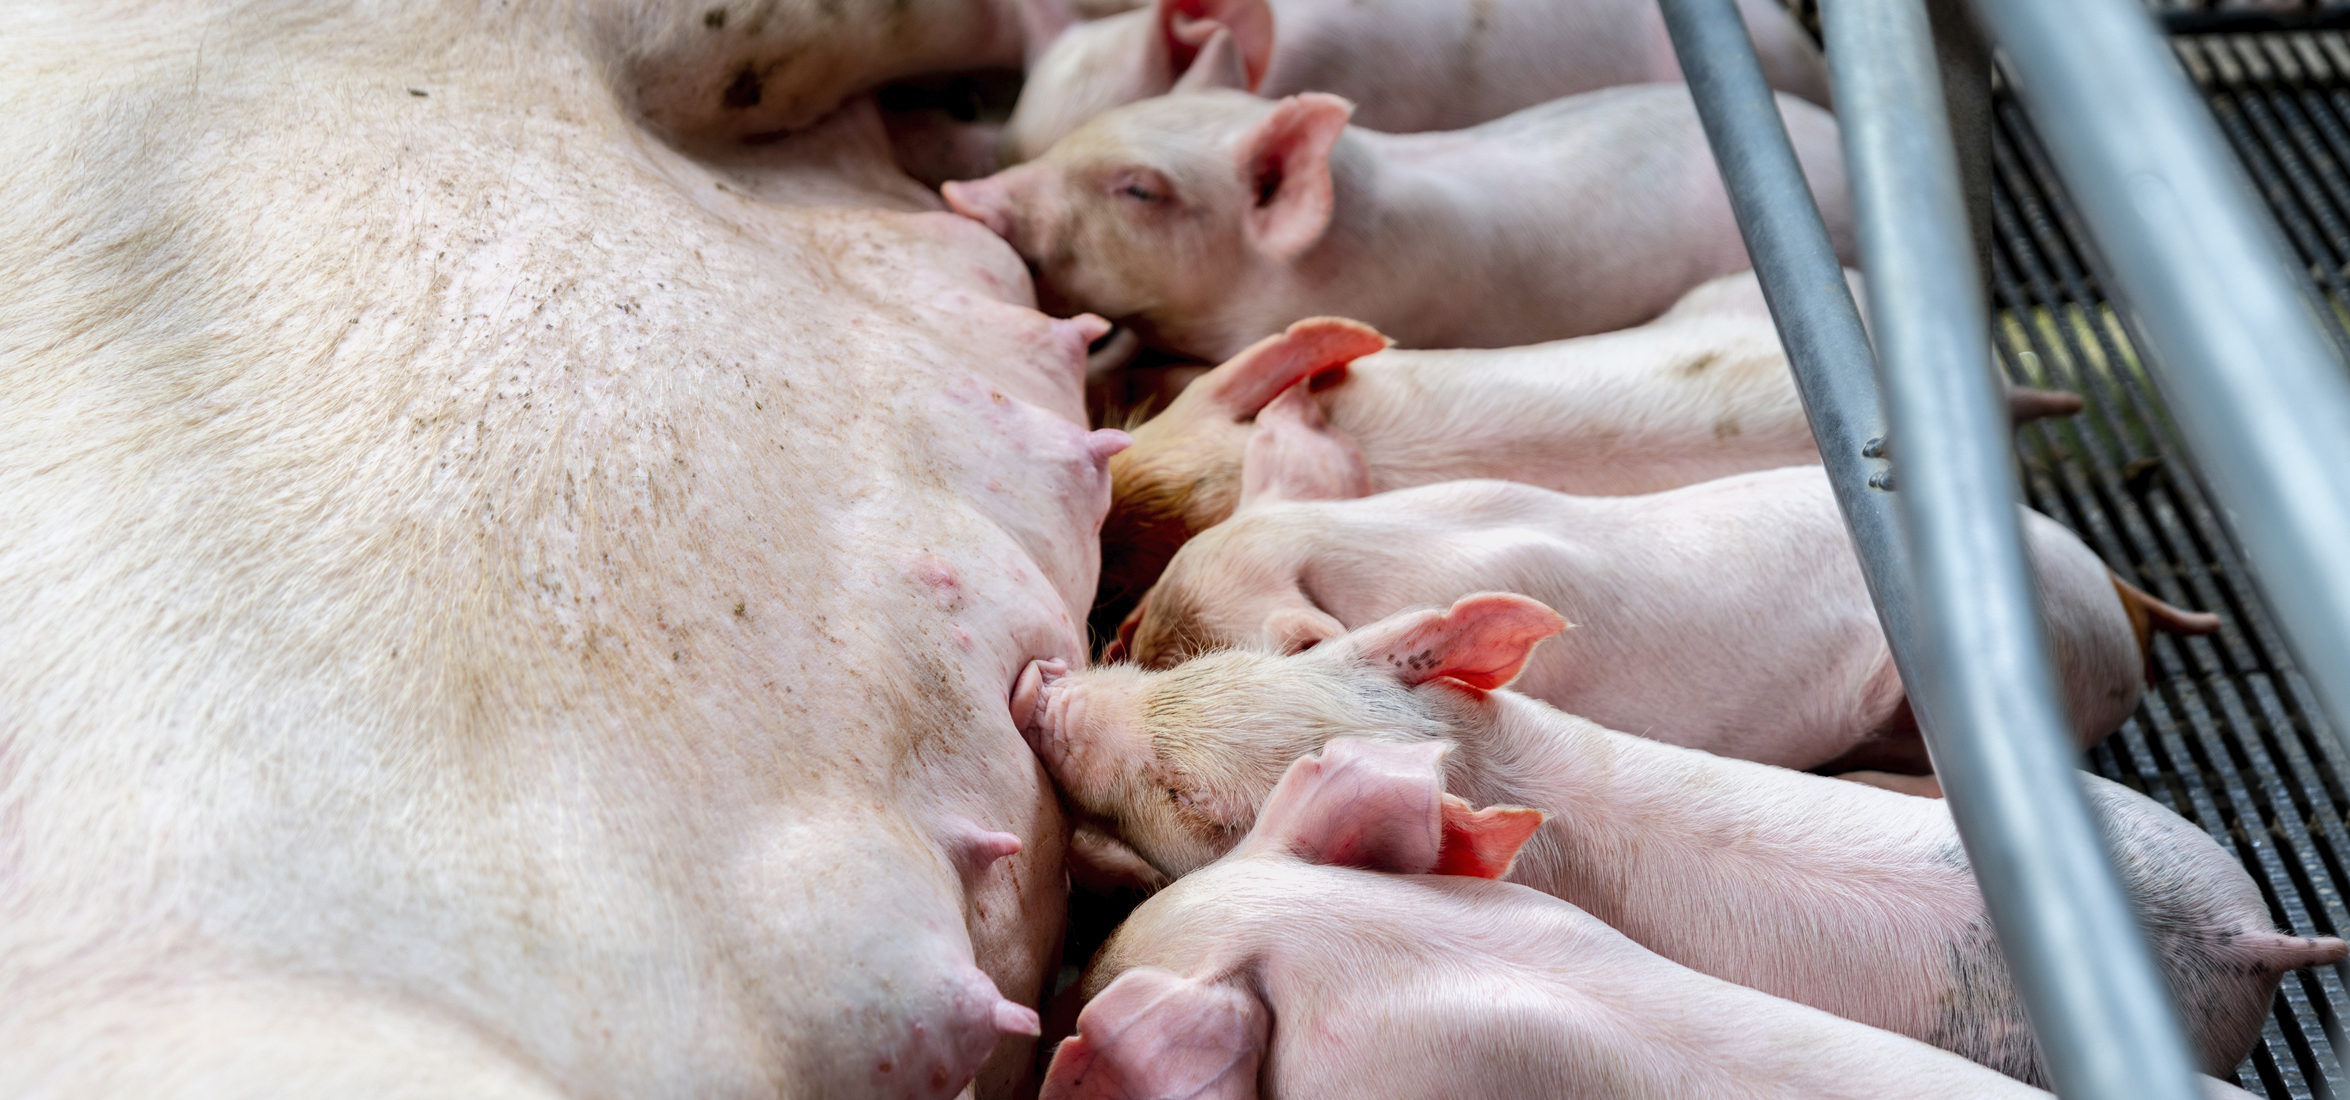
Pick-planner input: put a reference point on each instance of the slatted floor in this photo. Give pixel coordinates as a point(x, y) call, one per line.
point(2229, 736)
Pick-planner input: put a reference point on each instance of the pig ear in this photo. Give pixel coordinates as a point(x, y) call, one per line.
point(1285, 164)
point(1366, 804)
point(1297, 629)
point(1122, 648)
point(1483, 640)
point(1153, 1034)
point(1296, 455)
point(1217, 65)
point(1483, 843)
point(1188, 27)
point(1248, 381)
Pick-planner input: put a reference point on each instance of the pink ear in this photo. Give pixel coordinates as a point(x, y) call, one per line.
point(1366, 804)
point(1122, 647)
point(1248, 381)
point(1296, 455)
point(1189, 25)
point(1285, 164)
point(1483, 640)
point(1217, 65)
point(1152, 1034)
point(1483, 843)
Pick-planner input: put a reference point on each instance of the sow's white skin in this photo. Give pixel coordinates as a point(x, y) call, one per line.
point(1729, 616)
point(1851, 899)
point(1206, 221)
point(495, 606)
point(1408, 65)
point(1322, 958)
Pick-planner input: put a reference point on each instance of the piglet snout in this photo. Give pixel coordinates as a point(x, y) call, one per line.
point(1028, 698)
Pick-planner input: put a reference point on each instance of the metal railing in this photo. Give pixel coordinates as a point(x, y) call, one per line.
point(1952, 581)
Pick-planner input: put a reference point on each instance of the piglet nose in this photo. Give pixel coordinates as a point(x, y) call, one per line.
point(981, 201)
point(1028, 698)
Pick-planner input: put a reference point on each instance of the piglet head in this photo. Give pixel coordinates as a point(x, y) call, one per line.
point(1133, 760)
point(1151, 1032)
point(1183, 473)
point(1160, 214)
point(1167, 45)
point(1179, 763)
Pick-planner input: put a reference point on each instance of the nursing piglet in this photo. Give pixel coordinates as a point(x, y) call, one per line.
point(1409, 64)
point(1206, 221)
point(1845, 897)
point(1729, 616)
point(1348, 948)
point(1699, 393)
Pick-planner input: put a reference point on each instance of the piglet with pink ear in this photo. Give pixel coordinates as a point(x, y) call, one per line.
point(1412, 64)
point(1354, 944)
point(1205, 221)
point(1840, 896)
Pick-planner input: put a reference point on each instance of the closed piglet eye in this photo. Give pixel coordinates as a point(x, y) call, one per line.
point(1141, 185)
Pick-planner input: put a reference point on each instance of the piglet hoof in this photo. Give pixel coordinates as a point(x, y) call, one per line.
point(1028, 696)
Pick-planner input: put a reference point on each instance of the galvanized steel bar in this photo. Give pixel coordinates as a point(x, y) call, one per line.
point(1995, 723)
point(1803, 282)
point(2255, 385)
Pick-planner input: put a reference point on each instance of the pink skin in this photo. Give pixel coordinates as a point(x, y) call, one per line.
point(1205, 221)
point(531, 612)
point(710, 74)
point(1728, 616)
point(1851, 899)
point(1700, 393)
point(1322, 959)
point(1409, 66)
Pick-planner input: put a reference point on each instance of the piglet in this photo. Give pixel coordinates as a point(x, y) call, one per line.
point(1729, 616)
point(1851, 899)
point(1410, 64)
point(1353, 945)
point(1208, 220)
point(1699, 393)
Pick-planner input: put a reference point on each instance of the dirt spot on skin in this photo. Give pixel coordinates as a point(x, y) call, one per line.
point(1726, 428)
point(715, 19)
point(1700, 363)
point(744, 91)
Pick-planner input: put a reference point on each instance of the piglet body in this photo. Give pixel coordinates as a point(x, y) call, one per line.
point(1845, 897)
point(1298, 968)
point(1699, 393)
point(1208, 220)
point(1729, 616)
point(1410, 65)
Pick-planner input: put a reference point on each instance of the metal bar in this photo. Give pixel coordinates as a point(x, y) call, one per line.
point(1994, 723)
point(2252, 381)
point(1803, 283)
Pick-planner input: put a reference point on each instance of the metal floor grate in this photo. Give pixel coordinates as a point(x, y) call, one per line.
point(2229, 736)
